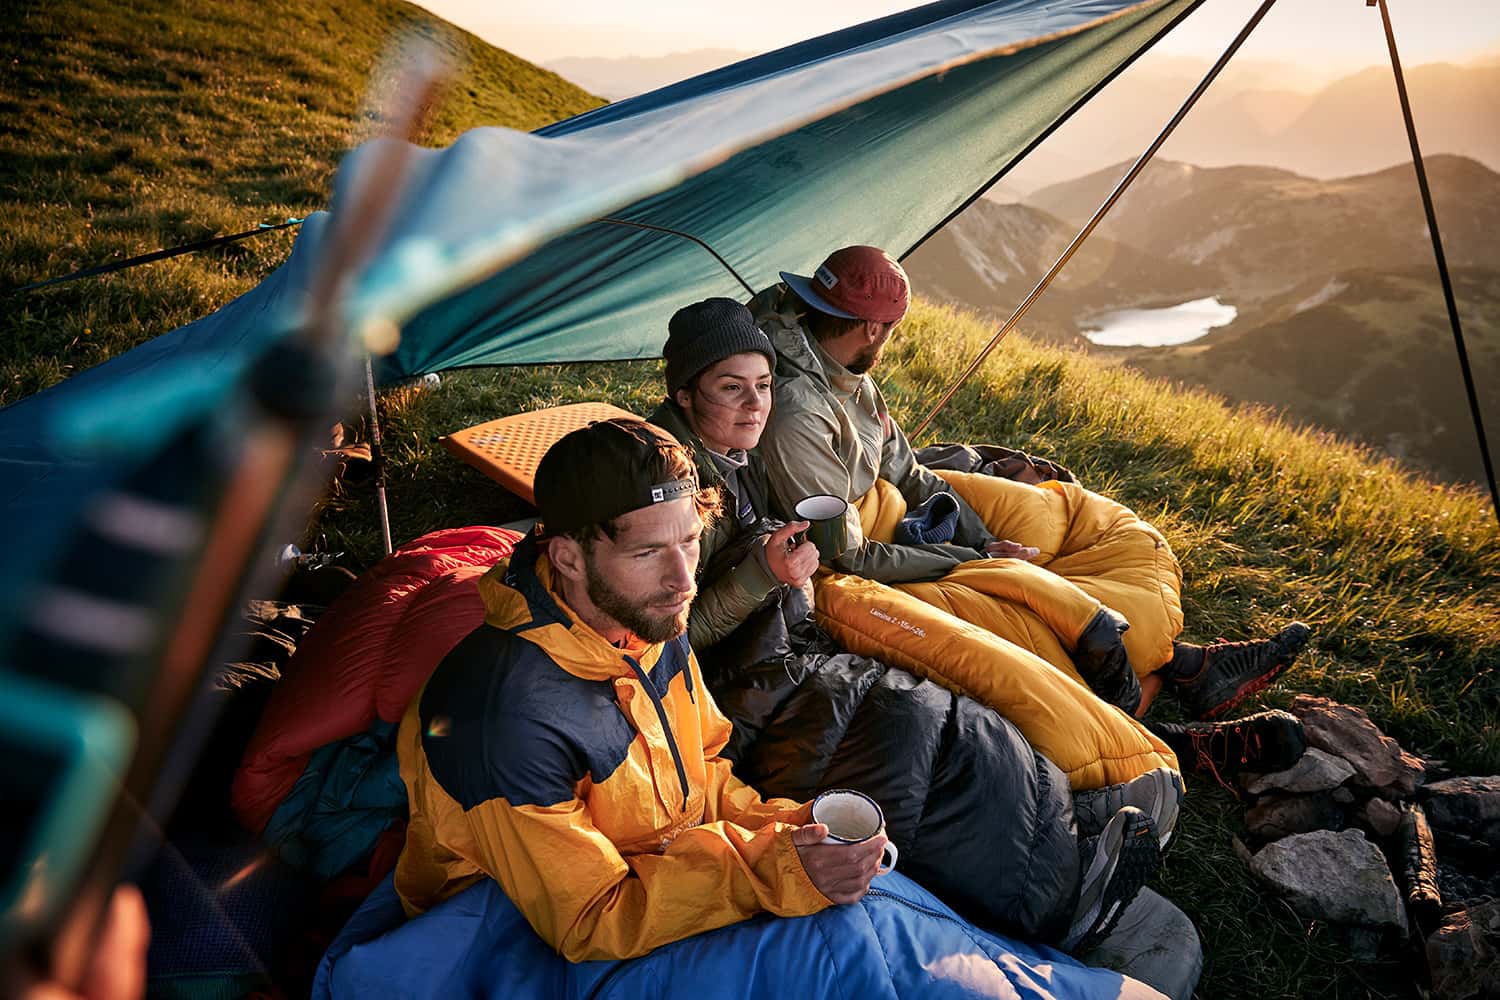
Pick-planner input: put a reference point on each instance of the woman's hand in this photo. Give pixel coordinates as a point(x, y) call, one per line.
point(1007, 549)
point(793, 563)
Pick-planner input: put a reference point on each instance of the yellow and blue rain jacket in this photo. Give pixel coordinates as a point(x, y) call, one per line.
point(587, 781)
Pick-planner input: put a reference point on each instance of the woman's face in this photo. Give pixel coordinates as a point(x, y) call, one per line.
point(729, 405)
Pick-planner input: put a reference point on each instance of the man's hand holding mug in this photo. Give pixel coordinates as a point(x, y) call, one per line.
point(845, 846)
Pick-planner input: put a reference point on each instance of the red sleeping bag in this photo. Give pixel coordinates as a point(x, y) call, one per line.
point(366, 658)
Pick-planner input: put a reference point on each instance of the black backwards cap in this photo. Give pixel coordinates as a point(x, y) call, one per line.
point(609, 468)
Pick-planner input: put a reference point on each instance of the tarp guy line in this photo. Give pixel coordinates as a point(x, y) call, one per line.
point(1088, 228)
point(1442, 260)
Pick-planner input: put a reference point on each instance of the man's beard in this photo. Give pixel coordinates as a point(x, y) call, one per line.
point(864, 361)
point(633, 614)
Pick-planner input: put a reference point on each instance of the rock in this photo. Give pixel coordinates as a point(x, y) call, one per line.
point(1339, 877)
point(1436, 769)
point(1363, 942)
point(1463, 954)
point(1343, 796)
point(1466, 806)
point(1240, 850)
point(1347, 732)
point(1459, 881)
point(1381, 817)
point(1317, 771)
point(1279, 815)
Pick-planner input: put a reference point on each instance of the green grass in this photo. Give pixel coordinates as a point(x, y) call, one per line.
point(131, 125)
point(128, 127)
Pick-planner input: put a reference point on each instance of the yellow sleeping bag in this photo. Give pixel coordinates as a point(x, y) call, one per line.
point(998, 630)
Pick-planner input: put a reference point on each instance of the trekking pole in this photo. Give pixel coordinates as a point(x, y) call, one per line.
point(110, 656)
point(1437, 252)
point(377, 457)
point(1088, 228)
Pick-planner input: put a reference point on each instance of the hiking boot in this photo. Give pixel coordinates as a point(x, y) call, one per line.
point(1264, 742)
point(1232, 671)
point(1116, 864)
point(1157, 793)
point(1102, 663)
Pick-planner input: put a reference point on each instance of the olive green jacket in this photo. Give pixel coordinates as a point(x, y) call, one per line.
point(733, 577)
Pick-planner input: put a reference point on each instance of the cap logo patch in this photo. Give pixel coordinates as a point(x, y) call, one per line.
point(674, 490)
point(825, 277)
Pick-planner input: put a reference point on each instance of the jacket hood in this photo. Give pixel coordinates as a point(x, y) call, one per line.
point(797, 355)
point(519, 596)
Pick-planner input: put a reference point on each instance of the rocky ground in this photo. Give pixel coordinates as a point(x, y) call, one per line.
point(1390, 848)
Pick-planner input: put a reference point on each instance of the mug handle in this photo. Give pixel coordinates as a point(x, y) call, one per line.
point(888, 866)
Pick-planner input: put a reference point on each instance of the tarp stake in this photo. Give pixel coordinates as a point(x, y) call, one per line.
point(1088, 228)
point(1442, 260)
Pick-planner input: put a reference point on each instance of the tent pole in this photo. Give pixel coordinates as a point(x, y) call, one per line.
point(687, 236)
point(1088, 228)
point(377, 456)
point(1437, 252)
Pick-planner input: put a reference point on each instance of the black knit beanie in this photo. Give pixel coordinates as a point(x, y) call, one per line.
point(707, 332)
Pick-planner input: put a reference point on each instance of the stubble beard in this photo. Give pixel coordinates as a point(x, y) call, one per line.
point(633, 614)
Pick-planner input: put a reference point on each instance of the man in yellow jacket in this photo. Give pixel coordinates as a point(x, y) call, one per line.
point(568, 747)
point(832, 433)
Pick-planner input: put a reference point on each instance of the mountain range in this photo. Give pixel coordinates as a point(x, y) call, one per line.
point(1341, 321)
point(1349, 126)
point(1263, 230)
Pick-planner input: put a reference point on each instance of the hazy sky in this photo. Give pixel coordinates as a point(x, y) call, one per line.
point(1331, 34)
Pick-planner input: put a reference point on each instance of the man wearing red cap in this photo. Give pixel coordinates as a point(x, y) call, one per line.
point(832, 433)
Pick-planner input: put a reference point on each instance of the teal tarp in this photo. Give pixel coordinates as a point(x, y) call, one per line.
point(876, 134)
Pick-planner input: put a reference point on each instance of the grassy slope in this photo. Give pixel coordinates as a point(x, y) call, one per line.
point(1397, 575)
point(129, 125)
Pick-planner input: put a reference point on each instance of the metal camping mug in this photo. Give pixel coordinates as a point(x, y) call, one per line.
point(853, 818)
point(826, 528)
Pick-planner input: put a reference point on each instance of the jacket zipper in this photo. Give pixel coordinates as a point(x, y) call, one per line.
point(666, 727)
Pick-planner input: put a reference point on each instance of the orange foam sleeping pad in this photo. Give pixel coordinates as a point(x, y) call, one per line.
point(508, 450)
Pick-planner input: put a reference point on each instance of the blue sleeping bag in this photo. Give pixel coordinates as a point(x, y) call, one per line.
point(899, 941)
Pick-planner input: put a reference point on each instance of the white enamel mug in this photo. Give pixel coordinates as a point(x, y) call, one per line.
point(853, 818)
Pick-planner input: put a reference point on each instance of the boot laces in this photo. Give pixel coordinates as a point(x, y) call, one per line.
point(1210, 757)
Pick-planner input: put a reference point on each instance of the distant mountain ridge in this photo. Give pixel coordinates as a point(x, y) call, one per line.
point(1350, 126)
point(1368, 353)
point(1264, 230)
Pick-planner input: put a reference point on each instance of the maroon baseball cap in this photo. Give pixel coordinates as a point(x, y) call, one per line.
point(856, 283)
